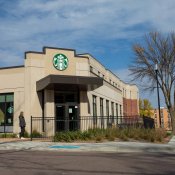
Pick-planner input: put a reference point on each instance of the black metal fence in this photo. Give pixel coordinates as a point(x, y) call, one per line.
point(45, 128)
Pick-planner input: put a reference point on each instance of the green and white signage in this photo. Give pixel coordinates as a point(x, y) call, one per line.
point(60, 61)
point(10, 109)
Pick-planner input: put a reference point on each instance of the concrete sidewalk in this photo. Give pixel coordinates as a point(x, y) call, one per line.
point(98, 147)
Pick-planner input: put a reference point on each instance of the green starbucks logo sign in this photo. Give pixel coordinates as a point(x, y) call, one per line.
point(60, 61)
point(10, 109)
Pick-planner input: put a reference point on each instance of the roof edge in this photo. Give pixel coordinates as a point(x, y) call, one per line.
point(11, 67)
point(56, 48)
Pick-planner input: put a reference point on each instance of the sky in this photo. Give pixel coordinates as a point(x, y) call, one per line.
point(107, 29)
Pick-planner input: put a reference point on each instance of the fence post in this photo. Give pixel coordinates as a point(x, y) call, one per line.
point(31, 128)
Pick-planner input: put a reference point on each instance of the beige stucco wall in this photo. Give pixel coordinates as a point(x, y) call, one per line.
point(12, 81)
point(107, 94)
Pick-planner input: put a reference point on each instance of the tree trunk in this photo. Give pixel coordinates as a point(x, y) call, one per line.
point(172, 114)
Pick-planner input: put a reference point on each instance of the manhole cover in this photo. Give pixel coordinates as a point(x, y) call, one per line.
point(64, 147)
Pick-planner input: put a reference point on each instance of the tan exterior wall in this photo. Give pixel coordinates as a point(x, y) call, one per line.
point(107, 94)
point(13, 82)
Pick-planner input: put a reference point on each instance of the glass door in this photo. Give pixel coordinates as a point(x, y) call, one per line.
point(73, 118)
point(67, 118)
point(60, 118)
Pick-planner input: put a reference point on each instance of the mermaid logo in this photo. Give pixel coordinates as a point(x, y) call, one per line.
point(60, 61)
point(10, 109)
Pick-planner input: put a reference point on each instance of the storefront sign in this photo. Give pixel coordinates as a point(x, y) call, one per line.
point(10, 110)
point(60, 61)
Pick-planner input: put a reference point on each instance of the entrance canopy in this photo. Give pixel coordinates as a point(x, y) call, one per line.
point(64, 82)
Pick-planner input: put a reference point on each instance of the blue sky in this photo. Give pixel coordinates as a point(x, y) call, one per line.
point(106, 29)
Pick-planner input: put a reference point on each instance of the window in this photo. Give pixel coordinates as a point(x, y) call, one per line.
point(112, 111)
point(6, 109)
point(66, 97)
point(169, 121)
point(94, 109)
point(107, 108)
point(107, 111)
point(101, 107)
point(155, 116)
point(162, 124)
point(112, 108)
point(101, 112)
point(116, 109)
point(91, 69)
point(120, 110)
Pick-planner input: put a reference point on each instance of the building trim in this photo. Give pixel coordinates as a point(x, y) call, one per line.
point(12, 67)
point(55, 48)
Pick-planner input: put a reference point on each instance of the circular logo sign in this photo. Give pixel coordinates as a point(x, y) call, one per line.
point(60, 61)
point(10, 109)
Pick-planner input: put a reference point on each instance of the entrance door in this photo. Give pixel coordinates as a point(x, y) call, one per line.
point(60, 118)
point(67, 118)
point(73, 118)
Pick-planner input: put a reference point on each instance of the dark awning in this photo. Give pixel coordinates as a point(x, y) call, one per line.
point(64, 82)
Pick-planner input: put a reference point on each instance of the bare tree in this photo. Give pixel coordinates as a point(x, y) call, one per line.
point(157, 49)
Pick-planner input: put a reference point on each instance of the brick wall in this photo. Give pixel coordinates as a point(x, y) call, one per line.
point(130, 107)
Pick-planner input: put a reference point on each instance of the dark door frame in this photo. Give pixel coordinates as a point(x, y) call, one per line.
point(66, 117)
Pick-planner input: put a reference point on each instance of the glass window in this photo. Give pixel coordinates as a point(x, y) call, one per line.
point(91, 68)
point(107, 111)
point(2, 98)
point(6, 109)
point(2, 113)
point(107, 108)
point(116, 109)
point(70, 98)
point(94, 105)
point(101, 107)
point(102, 112)
point(112, 108)
point(94, 109)
point(65, 97)
point(112, 111)
point(120, 110)
point(9, 98)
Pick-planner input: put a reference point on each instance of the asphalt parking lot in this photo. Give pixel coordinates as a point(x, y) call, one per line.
point(84, 163)
point(50, 158)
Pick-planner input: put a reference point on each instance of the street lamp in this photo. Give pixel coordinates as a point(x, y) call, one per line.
point(156, 70)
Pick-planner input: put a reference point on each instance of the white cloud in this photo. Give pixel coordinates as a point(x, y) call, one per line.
point(27, 25)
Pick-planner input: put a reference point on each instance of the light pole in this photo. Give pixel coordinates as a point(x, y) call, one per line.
point(156, 70)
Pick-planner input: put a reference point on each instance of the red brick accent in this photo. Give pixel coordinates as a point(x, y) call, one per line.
point(130, 107)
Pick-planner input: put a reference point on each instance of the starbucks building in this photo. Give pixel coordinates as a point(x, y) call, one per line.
point(61, 84)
